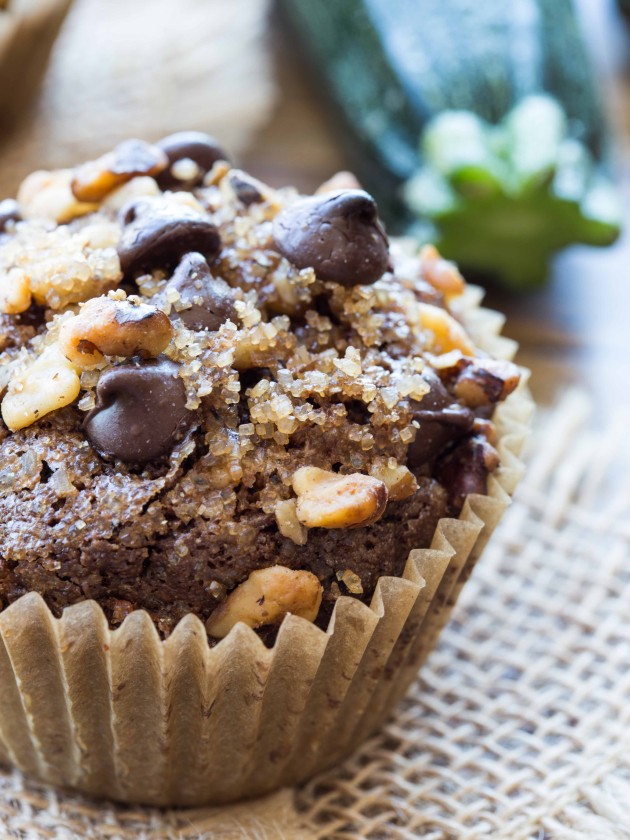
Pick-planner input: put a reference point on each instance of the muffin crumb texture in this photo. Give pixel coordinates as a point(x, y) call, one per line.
point(224, 398)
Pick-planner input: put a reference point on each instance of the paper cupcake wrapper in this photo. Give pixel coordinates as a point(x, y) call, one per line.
point(124, 715)
point(27, 33)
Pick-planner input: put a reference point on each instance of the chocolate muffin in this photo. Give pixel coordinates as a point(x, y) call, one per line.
point(224, 399)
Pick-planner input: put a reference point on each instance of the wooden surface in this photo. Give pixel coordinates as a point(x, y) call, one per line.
point(574, 332)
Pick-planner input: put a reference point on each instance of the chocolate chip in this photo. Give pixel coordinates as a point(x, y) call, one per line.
point(196, 146)
point(211, 299)
point(9, 212)
point(466, 468)
point(159, 238)
point(247, 189)
point(140, 411)
point(441, 421)
point(338, 234)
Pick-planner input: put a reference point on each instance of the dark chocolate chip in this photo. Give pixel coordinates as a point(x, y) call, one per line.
point(160, 238)
point(441, 421)
point(247, 189)
point(140, 411)
point(201, 148)
point(211, 299)
point(466, 468)
point(9, 212)
point(338, 234)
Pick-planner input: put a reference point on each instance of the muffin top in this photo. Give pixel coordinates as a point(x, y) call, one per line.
point(174, 330)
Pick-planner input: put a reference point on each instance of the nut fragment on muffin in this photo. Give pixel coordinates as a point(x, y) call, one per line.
point(223, 398)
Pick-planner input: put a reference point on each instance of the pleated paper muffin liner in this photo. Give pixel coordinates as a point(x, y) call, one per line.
point(124, 715)
point(28, 29)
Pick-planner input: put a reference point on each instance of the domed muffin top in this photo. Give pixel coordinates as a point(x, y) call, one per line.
point(165, 315)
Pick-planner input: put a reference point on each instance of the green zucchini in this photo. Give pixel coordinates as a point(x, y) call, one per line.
point(476, 124)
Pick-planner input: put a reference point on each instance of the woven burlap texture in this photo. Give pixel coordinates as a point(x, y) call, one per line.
point(519, 726)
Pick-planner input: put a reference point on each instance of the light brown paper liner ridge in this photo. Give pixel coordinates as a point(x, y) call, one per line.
point(124, 715)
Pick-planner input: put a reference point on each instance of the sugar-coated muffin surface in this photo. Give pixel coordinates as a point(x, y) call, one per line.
point(222, 398)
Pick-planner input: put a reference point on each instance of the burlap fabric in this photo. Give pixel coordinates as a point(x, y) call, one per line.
point(519, 726)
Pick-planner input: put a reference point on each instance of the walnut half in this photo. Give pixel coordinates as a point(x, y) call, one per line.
point(94, 180)
point(266, 597)
point(332, 500)
point(46, 384)
point(105, 326)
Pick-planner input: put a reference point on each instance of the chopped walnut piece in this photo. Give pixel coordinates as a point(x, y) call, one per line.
point(342, 180)
point(442, 274)
point(109, 327)
point(288, 523)
point(15, 292)
point(138, 188)
point(94, 180)
point(46, 384)
point(219, 170)
point(444, 332)
point(448, 364)
point(487, 429)
point(486, 381)
point(266, 597)
point(48, 195)
point(332, 500)
point(351, 581)
point(399, 480)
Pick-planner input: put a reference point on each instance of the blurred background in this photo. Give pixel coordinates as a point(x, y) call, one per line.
point(290, 97)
